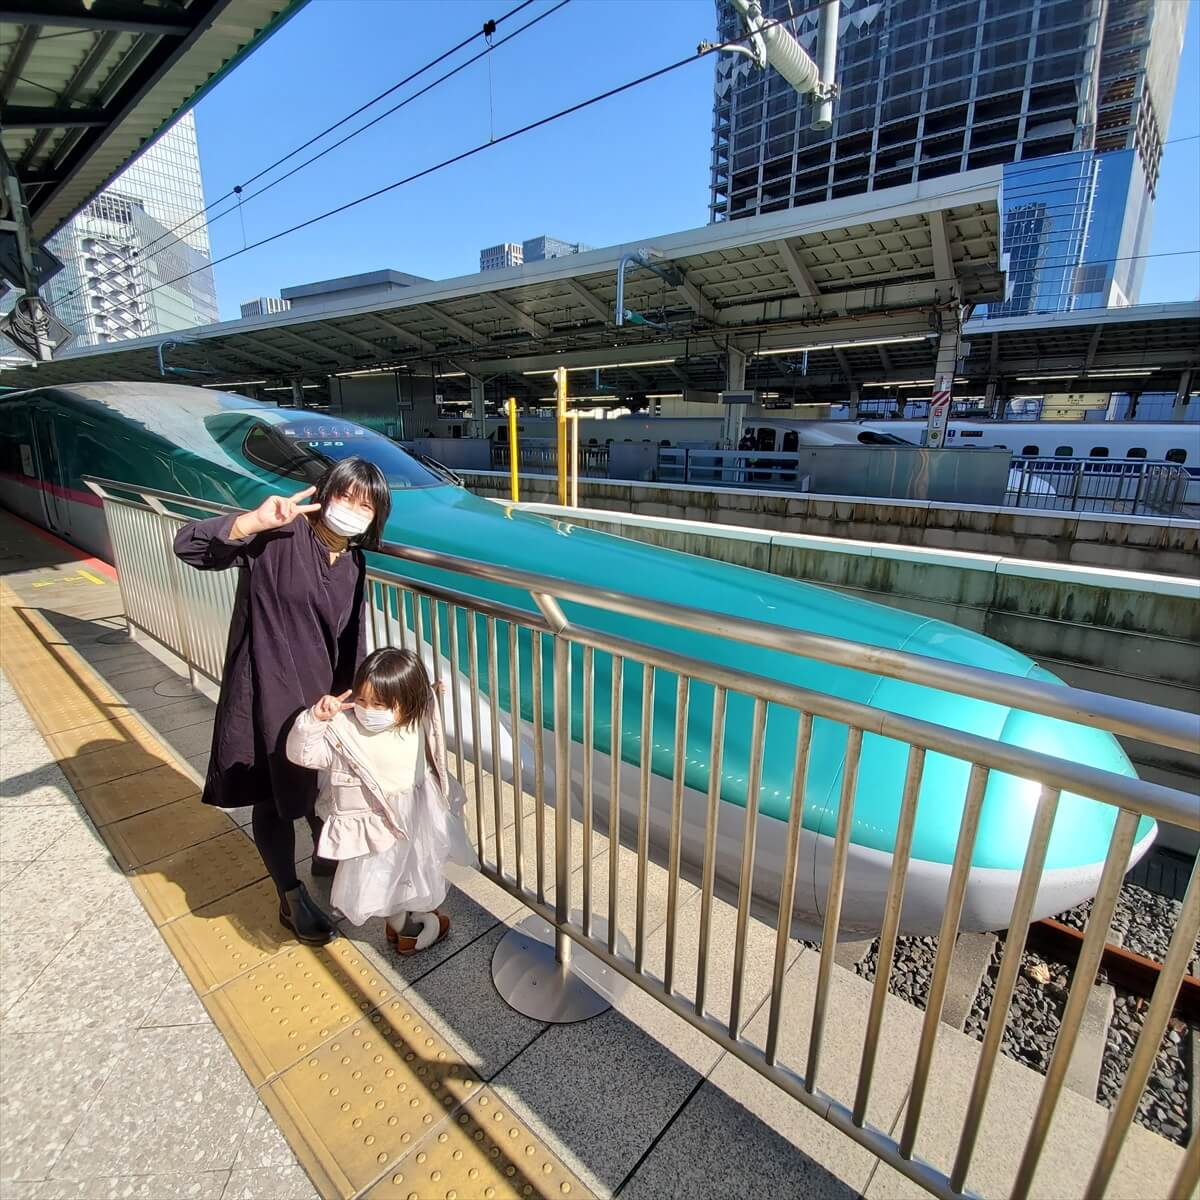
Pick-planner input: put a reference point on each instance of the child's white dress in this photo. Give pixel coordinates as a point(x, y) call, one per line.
point(410, 875)
point(389, 824)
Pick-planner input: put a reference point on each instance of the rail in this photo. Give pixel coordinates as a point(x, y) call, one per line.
point(1124, 486)
point(542, 617)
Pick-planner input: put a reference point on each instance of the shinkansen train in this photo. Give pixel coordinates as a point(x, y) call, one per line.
point(214, 446)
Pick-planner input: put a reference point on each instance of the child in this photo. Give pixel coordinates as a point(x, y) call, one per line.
point(393, 815)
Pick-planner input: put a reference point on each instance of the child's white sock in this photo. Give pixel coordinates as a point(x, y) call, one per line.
point(431, 926)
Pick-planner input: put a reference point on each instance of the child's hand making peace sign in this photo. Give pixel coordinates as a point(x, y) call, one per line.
point(328, 707)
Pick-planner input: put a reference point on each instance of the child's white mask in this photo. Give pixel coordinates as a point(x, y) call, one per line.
point(373, 720)
point(344, 520)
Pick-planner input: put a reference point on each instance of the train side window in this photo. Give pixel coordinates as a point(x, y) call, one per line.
point(1098, 452)
point(1031, 451)
point(1177, 455)
point(791, 440)
point(1136, 452)
point(1064, 451)
point(766, 439)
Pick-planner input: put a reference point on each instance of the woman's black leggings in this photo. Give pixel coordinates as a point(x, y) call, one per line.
point(275, 837)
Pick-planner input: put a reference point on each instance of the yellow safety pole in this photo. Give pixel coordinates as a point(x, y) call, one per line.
point(513, 456)
point(574, 460)
point(560, 383)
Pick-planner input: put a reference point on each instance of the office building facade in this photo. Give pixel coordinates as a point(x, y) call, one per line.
point(263, 306)
point(536, 249)
point(542, 247)
point(929, 88)
point(137, 259)
point(496, 258)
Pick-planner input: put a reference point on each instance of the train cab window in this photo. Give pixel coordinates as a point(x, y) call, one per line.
point(869, 437)
point(1098, 452)
point(1177, 455)
point(1064, 451)
point(1136, 452)
point(1030, 451)
point(305, 449)
point(791, 441)
point(766, 439)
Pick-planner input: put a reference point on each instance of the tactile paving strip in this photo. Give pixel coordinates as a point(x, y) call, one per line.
point(484, 1151)
point(225, 939)
point(134, 794)
point(287, 1007)
point(163, 831)
point(87, 739)
point(357, 1105)
point(111, 763)
point(194, 877)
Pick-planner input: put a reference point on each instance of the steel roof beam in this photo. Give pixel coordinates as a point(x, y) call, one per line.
point(453, 324)
point(163, 54)
point(531, 325)
point(943, 257)
point(798, 273)
point(16, 63)
point(123, 16)
point(414, 340)
point(284, 359)
point(594, 305)
point(23, 116)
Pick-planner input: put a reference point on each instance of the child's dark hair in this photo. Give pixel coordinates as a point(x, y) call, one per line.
point(397, 679)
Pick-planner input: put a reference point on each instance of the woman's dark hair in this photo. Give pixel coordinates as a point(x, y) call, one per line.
point(360, 480)
point(397, 679)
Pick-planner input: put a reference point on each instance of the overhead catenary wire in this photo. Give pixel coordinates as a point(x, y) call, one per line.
point(239, 190)
point(236, 190)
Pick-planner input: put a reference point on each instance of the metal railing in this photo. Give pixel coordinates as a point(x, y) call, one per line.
point(1121, 486)
point(162, 599)
point(542, 457)
point(730, 468)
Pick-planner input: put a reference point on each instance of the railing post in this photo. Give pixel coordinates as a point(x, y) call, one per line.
point(532, 966)
point(171, 687)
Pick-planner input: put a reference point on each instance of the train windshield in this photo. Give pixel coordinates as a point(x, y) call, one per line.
point(305, 449)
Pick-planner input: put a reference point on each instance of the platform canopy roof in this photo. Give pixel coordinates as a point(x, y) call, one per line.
point(1144, 347)
point(87, 84)
point(847, 279)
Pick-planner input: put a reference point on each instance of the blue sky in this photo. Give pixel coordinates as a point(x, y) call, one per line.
point(632, 167)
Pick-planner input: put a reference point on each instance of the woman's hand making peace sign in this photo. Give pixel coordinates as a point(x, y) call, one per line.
point(273, 513)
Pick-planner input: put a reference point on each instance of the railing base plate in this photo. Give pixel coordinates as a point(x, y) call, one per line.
point(531, 980)
point(174, 687)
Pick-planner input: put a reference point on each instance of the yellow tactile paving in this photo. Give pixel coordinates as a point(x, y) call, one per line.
point(164, 831)
point(88, 739)
point(184, 882)
point(376, 1101)
point(358, 1104)
point(225, 939)
point(292, 1003)
point(114, 762)
point(120, 798)
point(483, 1152)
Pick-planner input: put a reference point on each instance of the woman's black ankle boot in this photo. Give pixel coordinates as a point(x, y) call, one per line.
point(305, 918)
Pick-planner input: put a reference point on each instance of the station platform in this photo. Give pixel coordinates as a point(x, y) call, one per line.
point(162, 1036)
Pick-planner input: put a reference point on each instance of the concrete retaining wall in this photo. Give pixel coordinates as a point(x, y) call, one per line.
point(1170, 547)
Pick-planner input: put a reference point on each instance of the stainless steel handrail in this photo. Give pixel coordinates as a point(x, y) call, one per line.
point(398, 603)
point(1130, 718)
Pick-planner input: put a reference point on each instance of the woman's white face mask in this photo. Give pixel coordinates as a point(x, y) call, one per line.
point(346, 520)
point(374, 720)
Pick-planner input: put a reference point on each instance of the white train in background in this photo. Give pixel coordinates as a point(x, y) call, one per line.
point(1176, 442)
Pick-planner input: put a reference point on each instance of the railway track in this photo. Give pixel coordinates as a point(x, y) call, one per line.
point(1170, 1105)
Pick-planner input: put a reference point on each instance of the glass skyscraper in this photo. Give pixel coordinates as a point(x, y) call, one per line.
point(1072, 97)
point(136, 260)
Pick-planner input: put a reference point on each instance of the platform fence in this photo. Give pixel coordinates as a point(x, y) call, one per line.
point(477, 641)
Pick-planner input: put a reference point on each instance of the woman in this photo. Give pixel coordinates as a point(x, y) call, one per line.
point(297, 633)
